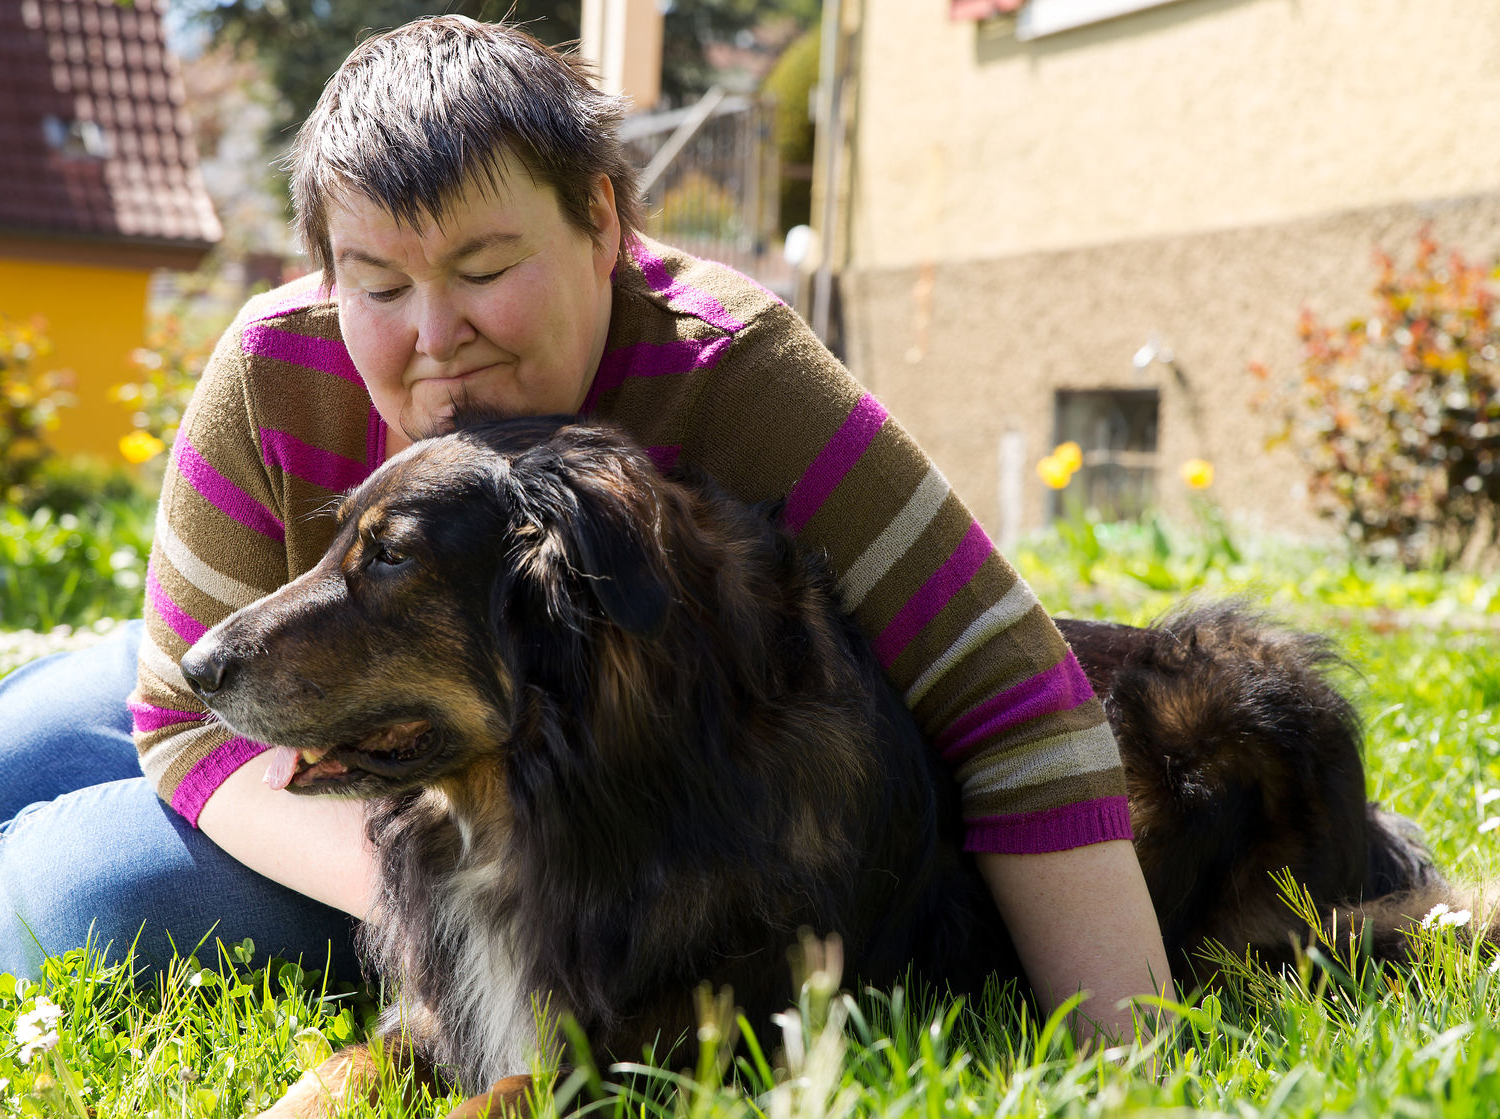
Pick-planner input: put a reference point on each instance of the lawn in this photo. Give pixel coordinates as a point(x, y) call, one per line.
point(216, 1037)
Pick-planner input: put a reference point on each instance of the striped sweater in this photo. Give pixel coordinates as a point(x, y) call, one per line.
point(702, 367)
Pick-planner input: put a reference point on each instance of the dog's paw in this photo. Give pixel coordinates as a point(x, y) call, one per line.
point(326, 1091)
point(506, 1099)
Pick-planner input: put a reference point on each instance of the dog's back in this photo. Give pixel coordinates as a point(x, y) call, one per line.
point(1243, 758)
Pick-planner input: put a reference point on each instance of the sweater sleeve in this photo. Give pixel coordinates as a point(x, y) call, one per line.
point(219, 545)
point(995, 688)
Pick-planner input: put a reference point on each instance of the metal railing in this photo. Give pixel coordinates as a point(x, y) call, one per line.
point(709, 182)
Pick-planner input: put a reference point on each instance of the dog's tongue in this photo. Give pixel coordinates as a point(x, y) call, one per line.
point(283, 766)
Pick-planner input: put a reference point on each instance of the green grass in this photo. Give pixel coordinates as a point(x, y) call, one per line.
point(223, 1039)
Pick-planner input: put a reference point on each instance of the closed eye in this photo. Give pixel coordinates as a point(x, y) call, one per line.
point(385, 556)
point(384, 295)
point(485, 277)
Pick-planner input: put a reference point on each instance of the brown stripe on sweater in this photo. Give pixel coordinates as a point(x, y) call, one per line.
point(988, 584)
point(734, 415)
point(875, 490)
point(974, 680)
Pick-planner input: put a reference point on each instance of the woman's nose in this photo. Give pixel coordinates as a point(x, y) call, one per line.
point(442, 328)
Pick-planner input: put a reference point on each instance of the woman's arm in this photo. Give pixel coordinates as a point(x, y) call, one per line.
point(314, 845)
point(1082, 919)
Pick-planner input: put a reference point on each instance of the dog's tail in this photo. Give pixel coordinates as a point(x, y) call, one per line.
point(1404, 890)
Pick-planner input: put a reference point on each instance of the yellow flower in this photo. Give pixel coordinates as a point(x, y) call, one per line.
point(141, 446)
point(1198, 473)
point(1070, 454)
point(1054, 471)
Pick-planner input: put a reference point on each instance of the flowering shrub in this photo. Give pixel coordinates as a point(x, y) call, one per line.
point(1397, 416)
point(29, 402)
point(168, 367)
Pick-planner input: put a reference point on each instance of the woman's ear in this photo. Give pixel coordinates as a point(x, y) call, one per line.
point(606, 219)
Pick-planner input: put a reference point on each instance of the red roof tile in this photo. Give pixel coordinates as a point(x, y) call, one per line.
point(97, 143)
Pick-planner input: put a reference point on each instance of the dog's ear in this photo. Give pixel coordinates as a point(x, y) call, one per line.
point(586, 530)
point(622, 568)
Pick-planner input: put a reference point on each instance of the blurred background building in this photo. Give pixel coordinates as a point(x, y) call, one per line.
point(1082, 219)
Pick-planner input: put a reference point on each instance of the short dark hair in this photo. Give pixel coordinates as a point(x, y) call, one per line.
point(415, 115)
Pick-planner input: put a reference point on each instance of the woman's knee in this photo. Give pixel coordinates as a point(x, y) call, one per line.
point(112, 865)
point(64, 724)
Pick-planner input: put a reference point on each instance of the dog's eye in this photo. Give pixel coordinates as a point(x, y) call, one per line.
point(386, 556)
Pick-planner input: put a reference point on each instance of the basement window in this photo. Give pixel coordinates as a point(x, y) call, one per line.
point(1116, 430)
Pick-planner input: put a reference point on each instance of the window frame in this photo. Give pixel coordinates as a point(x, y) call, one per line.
point(1039, 18)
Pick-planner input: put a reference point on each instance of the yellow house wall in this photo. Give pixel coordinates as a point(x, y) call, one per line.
point(95, 316)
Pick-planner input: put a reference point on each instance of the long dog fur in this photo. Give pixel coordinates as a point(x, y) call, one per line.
point(618, 739)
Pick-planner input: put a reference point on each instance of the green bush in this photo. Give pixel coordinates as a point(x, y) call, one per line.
point(1397, 416)
point(791, 83)
point(73, 569)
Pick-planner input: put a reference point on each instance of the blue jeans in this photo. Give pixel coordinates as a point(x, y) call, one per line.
point(85, 843)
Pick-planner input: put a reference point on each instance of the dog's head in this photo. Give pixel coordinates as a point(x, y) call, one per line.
point(468, 575)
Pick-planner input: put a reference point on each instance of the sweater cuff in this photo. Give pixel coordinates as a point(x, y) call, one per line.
point(204, 779)
point(1052, 829)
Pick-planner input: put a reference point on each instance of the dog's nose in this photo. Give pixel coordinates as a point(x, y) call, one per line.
point(205, 670)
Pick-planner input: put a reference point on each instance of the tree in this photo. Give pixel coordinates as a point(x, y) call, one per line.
point(302, 42)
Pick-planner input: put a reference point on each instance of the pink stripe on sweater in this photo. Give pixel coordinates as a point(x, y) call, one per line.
point(665, 457)
point(183, 624)
point(653, 359)
point(148, 717)
point(224, 495)
point(1059, 688)
point(322, 354)
point(952, 576)
point(332, 471)
point(204, 779)
point(695, 301)
point(835, 460)
point(1052, 829)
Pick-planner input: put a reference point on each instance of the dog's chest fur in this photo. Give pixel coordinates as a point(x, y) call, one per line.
point(465, 1000)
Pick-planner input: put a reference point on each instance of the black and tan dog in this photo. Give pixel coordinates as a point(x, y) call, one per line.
point(618, 740)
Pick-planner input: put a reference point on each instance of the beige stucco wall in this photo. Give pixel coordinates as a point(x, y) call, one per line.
point(964, 352)
point(1200, 115)
point(1025, 217)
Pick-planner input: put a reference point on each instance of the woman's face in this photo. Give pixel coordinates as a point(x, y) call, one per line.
point(504, 303)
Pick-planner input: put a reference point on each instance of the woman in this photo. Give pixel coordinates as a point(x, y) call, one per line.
point(464, 192)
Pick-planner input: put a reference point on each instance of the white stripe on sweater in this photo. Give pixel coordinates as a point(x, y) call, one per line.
point(1011, 608)
point(1070, 754)
point(895, 540)
point(214, 583)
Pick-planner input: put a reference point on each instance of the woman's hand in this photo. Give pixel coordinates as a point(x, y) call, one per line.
point(1082, 920)
point(314, 845)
